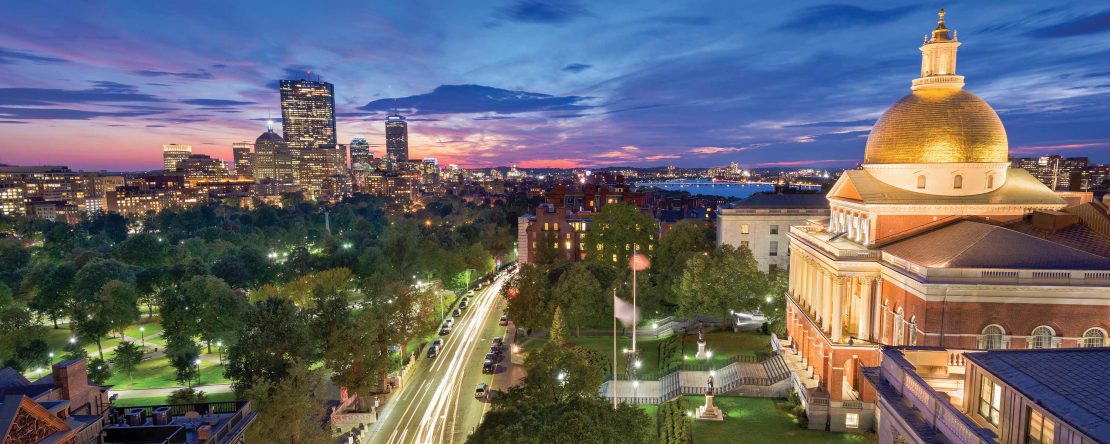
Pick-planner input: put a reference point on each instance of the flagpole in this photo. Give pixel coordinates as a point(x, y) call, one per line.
point(613, 381)
point(635, 309)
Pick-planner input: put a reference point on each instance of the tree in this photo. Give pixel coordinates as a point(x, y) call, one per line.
point(289, 409)
point(580, 293)
point(414, 313)
point(682, 241)
point(187, 395)
point(558, 333)
point(111, 309)
point(577, 421)
point(13, 257)
point(724, 280)
point(99, 370)
point(358, 351)
point(127, 357)
point(204, 307)
point(616, 231)
point(274, 334)
point(184, 356)
point(529, 297)
point(142, 249)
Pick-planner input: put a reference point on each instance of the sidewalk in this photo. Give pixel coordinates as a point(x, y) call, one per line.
point(165, 391)
point(512, 369)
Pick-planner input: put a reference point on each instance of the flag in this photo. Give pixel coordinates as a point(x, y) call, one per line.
point(625, 312)
point(639, 262)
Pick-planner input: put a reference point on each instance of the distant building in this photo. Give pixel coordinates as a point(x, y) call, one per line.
point(430, 170)
point(307, 113)
point(241, 152)
point(173, 154)
point(553, 227)
point(1058, 172)
point(761, 223)
point(48, 183)
point(397, 137)
point(933, 394)
point(360, 152)
point(272, 159)
point(203, 167)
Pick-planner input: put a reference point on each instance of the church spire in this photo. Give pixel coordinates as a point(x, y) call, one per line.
point(938, 59)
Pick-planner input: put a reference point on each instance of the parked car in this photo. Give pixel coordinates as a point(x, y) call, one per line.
point(445, 330)
point(495, 350)
point(488, 366)
point(491, 357)
point(481, 392)
point(457, 313)
point(498, 341)
point(437, 343)
point(433, 351)
point(470, 292)
point(504, 321)
point(450, 322)
point(462, 303)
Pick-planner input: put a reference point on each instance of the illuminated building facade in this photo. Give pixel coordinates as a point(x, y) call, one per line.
point(397, 138)
point(429, 170)
point(307, 113)
point(201, 167)
point(936, 242)
point(272, 159)
point(761, 222)
point(360, 152)
point(241, 152)
point(173, 154)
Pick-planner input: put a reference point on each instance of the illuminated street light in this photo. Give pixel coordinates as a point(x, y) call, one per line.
point(72, 339)
point(142, 333)
point(769, 299)
point(637, 364)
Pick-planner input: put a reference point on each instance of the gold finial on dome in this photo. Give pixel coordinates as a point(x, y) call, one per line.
point(941, 33)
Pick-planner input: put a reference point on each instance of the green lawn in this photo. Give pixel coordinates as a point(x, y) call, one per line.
point(152, 331)
point(157, 373)
point(159, 400)
point(725, 345)
point(762, 420)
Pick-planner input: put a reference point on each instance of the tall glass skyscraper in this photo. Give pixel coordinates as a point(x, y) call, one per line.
point(307, 113)
point(397, 137)
point(360, 152)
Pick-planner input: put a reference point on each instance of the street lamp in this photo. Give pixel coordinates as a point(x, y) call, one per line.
point(198, 371)
point(220, 349)
point(142, 332)
point(73, 340)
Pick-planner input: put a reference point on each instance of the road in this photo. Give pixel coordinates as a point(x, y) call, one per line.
point(437, 404)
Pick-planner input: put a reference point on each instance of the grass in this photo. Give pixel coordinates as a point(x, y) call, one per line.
point(725, 345)
point(652, 411)
point(153, 331)
point(158, 373)
point(761, 420)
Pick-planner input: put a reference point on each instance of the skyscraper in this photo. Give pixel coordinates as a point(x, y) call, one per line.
point(307, 113)
point(241, 152)
point(173, 154)
point(397, 137)
point(360, 152)
point(271, 159)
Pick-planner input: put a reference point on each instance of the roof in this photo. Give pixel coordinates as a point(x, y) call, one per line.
point(786, 200)
point(968, 244)
point(1021, 188)
point(1069, 383)
point(9, 377)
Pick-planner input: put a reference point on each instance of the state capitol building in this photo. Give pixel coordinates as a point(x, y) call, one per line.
point(937, 243)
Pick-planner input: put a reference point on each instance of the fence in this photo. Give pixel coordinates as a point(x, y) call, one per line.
point(695, 382)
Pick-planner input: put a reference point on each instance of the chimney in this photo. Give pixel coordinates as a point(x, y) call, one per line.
point(72, 380)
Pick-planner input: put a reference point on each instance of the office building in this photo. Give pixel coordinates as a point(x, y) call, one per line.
point(241, 152)
point(936, 241)
point(202, 167)
point(272, 158)
point(430, 171)
point(397, 138)
point(307, 113)
point(173, 154)
point(1057, 171)
point(761, 222)
point(360, 152)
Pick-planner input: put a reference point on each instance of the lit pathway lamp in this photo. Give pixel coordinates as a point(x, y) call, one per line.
point(220, 350)
point(142, 334)
point(198, 371)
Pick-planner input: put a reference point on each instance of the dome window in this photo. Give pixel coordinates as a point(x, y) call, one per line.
point(958, 182)
point(990, 181)
point(921, 182)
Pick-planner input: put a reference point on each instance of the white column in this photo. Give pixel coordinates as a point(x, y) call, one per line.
point(837, 309)
point(865, 310)
point(826, 299)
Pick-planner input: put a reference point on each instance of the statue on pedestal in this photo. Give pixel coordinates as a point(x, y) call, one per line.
point(710, 412)
point(701, 345)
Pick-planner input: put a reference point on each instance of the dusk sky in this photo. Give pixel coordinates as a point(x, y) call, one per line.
point(102, 85)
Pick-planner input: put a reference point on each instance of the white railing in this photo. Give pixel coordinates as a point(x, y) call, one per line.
point(995, 276)
point(804, 233)
point(934, 408)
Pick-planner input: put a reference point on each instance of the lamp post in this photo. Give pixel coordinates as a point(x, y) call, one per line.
point(142, 333)
point(220, 349)
point(198, 371)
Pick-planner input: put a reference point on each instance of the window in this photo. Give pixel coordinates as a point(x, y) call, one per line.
point(851, 421)
point(1093, 337)
point(1042, 337)
point(921, 182)
point(958, 182)
point(992, 337)
point(744, 244)
point(1040, 430)
point(745, 229)
point(772, 269)
point(774, 251)
point(990, 401)
point(774, 229)
point(990, 181)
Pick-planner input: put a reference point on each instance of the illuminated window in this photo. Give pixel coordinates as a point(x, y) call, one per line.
point(582, 246)
point(1094, 337)
point(600, 247)
point(745, 229)
point(958, 182)
point(1042, 337)
point(992, 337)
point(921, 182)
point(990, 401)
point(1040, 430)
point(851, 420)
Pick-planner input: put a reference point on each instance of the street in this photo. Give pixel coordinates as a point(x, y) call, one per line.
point(437, 404)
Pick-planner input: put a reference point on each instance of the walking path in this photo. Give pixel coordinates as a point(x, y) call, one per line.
point(166, 391)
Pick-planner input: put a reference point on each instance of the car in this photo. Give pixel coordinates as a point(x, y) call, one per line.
point(462, 304)
point(437, 343)
point(504, 321)
point(450, 322)
point(481, 392)
point(445, 330)
point(457, 313)
point(433, 351)
point(495, 350)
point(491, 357)
point(470, 292)
point(498, 341)
point(488, 366)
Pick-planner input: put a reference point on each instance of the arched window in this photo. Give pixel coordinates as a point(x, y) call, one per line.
point(913, 330)
point(899, 327)
point(1093, 337)
point(1042, 337)
point(992, 337)
point(958, 182)
point(990, 181)
point(921, 182)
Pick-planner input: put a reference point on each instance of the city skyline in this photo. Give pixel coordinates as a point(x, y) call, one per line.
point(513, 82)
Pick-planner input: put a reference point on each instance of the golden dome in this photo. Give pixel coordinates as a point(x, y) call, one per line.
point(938, 125)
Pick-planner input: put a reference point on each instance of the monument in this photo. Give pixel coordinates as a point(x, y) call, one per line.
point(701, 346)
point(709, 412)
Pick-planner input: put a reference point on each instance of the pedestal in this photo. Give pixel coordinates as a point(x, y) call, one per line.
point(701, 350)
point(710, 412)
